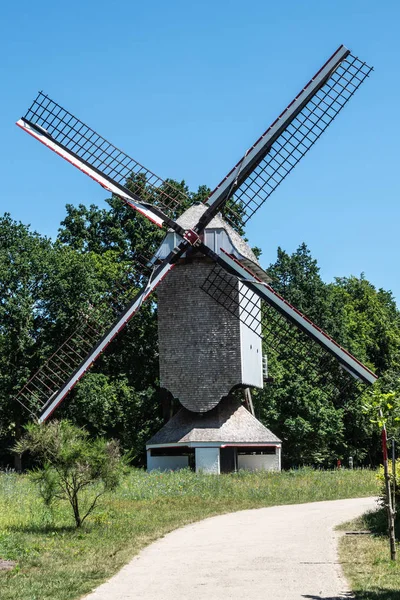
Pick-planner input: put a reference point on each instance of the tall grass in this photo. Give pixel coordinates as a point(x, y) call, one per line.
point(55, 561)
point(366, 558)
point(303, 485)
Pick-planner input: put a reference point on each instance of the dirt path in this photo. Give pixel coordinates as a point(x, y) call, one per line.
point(277, 553)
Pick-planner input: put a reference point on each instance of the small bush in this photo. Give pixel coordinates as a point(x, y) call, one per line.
point(73, 466)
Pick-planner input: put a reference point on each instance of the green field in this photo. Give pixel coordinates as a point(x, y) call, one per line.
point(57, 562)
point(366, 559)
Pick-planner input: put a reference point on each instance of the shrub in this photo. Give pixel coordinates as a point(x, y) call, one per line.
point(73, 467)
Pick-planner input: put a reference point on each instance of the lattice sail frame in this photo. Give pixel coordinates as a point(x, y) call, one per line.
point(282, 151)
point(47, 120)
point(59, 367)
point(309, 359)
point(93, 321)
point(46, 389)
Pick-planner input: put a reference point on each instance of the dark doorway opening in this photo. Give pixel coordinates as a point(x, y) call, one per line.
point(228, 460)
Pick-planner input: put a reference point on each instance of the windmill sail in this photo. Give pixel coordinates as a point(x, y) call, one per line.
point(268, 162)
point(61, 372)
point(80, 145)
point(288, 319)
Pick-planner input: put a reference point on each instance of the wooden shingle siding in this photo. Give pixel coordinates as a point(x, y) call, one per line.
point(199, 340)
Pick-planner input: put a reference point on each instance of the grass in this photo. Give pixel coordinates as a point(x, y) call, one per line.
point(366, 558)
point(55, 561)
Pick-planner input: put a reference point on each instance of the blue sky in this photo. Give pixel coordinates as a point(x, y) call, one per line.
point(186, 88)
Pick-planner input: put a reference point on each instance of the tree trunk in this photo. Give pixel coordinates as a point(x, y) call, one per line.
point(394, 477)
point(390, 511)
point(75, 508)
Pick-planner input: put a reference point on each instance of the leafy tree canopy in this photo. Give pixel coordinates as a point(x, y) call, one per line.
point(47, 286)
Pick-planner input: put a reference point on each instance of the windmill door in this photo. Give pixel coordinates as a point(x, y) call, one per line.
point(228, 459)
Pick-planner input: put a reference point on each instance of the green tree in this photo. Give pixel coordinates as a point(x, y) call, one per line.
point(384, 411)
point(316, 423)
point(47, 288)
point(73, 466)
point(110, 406)
point(24, 258)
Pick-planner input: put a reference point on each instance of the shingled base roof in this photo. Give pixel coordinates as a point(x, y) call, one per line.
point(229, 422)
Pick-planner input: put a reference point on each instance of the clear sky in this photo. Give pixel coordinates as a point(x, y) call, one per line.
point(186, 87)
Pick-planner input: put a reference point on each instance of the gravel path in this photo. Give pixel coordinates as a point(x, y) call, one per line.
point(276, 553)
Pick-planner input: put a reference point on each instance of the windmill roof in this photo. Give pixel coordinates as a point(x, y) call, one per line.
point(229, 422)
point(191, 217)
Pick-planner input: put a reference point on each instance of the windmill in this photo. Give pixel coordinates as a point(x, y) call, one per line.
point(215, 303)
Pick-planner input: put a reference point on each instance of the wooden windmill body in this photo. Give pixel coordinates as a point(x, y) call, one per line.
point(206, 352)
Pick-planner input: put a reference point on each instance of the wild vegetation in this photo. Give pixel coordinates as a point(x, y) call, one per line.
point(46, 285)
point(56, 561)
point(71, 465)
point(365, 558)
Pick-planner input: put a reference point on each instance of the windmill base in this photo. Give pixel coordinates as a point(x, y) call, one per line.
point(223, 440)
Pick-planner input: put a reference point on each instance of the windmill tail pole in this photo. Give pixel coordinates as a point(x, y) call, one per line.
point(390, 508)
point(394, 476)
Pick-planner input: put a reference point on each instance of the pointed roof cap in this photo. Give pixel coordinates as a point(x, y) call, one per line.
point(192, 216)
point(244, 253)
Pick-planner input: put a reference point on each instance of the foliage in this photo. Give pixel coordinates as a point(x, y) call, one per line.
point(315, 426)
point(364, 559)
point(64, 563)
point(24, 260)
point(72, 465)
point(47, 286)
point(384, 409)
point(111, 407)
